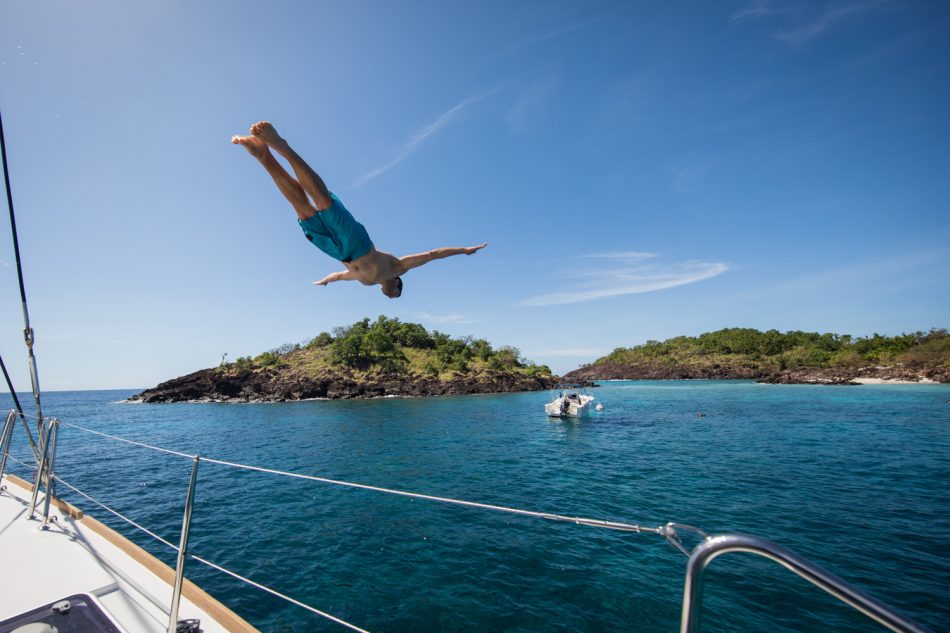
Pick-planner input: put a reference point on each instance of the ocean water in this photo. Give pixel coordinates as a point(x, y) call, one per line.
point(854, 478)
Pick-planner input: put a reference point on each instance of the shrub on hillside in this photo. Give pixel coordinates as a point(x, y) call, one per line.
point(321, 340)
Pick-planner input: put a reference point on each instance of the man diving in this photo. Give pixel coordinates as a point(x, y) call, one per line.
point(327, 223)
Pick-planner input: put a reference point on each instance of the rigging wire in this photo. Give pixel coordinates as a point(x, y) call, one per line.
point(16, 400)
point(19, 410)
point(27, 331)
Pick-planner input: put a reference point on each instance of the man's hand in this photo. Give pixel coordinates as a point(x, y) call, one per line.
point(471, 250)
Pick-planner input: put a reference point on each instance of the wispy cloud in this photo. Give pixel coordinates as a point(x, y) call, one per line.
point(885, 274)
point(690, 176)
point(628, 255)
point(85, 339)
point(60, 385)
point(569, 352)
point(893, 46)
point(754, 10)
point(419, 138)
point(628, 275)
point(569, 26)
point(520, 115)
point(831, 16)
point(443, 319)
point(833, 13)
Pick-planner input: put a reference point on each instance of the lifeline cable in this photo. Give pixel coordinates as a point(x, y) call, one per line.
point(204, 561)
point(207, 562)
point(600, 523)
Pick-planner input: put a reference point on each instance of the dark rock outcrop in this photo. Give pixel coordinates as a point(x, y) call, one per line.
point(806, 376)
point(269, 385)
point(663, 371)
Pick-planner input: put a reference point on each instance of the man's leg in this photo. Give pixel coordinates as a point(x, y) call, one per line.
point(287, 185)
point(308, 178)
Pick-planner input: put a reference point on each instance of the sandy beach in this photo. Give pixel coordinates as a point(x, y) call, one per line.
point(886, 381)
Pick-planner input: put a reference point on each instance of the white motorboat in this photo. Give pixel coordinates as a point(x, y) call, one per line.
point(571, 404)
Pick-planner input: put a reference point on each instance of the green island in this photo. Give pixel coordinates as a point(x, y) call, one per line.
point(385, 357)
point(388, 357)
point(781, 357)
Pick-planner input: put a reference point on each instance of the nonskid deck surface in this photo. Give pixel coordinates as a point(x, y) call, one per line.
point(79, 555)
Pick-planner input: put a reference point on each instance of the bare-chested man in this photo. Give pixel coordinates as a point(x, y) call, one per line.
point(327, 223)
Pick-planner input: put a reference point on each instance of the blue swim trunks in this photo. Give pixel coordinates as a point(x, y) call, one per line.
point(337, 233)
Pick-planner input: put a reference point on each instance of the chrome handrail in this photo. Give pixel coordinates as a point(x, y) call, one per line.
point(715, 546)
point(5, 438)
point(44, 471)
point(183, 548)
point(53, 424)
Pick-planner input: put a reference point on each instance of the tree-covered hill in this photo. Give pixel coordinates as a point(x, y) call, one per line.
point(366, 359)
point(780, 357)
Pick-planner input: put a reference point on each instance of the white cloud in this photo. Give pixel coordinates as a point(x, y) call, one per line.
point(883, 274)
point(805, 33)
point(692, 175)
point(833, 13)
point(520, 115)
point(570, 352)
point(628, 275)
point(57, 336)
point(59, 385)
point(443, 319)
point(416, 140)
point(637, 255)
point(754, 10)
point(570, 26)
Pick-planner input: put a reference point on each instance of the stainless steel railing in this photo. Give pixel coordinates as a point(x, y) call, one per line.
point(714, 546)
point(708, 549)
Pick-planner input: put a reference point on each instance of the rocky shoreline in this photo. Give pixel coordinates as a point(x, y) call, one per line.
point(274, 385)
point(271, 385)
point(806, 376)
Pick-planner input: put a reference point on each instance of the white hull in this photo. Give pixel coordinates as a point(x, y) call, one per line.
point(570, 406)
point(77, 555)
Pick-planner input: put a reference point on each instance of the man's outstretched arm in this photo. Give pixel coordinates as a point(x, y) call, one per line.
point(414, 261)
point(343, 275)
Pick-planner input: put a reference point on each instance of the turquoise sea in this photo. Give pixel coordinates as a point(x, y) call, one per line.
point(854, 478)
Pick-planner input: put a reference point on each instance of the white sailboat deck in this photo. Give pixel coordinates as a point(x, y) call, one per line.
point(78, 555)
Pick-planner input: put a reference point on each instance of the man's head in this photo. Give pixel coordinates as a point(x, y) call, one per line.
point(392, 288)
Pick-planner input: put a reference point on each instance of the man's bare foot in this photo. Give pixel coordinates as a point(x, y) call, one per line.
point(266, 132)
point(256, 147)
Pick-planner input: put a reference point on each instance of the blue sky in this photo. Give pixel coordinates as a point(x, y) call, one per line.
point(640, 171)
